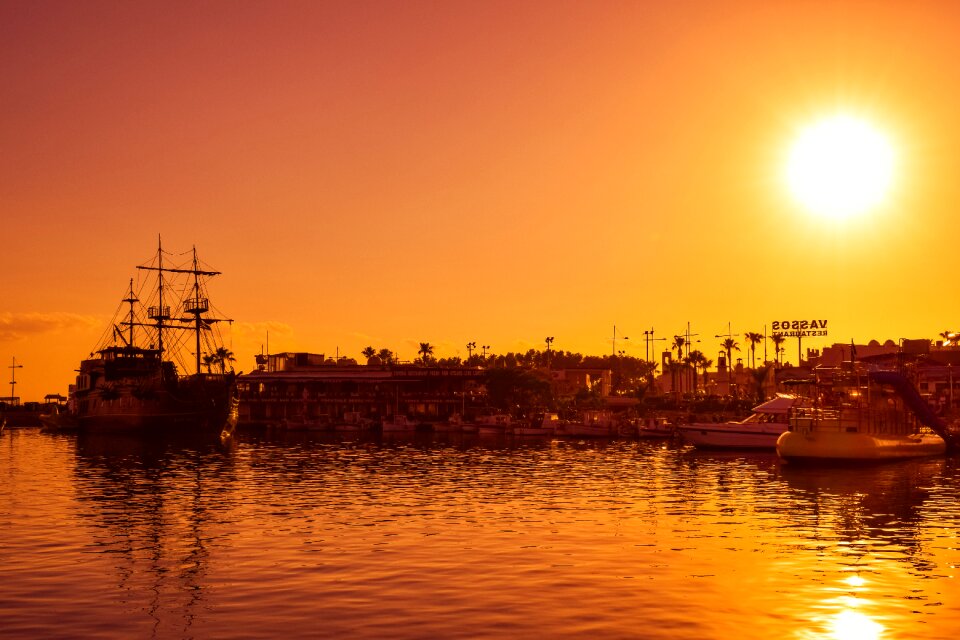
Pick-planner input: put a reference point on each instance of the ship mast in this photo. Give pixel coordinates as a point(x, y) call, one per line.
point(197, 305)
point(160, 312)
point(130, 323)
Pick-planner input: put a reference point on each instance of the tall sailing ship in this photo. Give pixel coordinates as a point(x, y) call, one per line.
point(147, 374)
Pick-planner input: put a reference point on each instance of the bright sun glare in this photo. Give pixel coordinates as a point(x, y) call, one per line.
point(840, 166)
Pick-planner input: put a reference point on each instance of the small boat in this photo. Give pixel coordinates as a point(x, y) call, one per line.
point(453, 424)
point(353, 422)
point(303, 422)
point(655, 427)
point(875, 415)
point(542, 424)
point(466, 426)
point(494, 424)
point(57, 421)
point(398, 423)
point(593, 424)
point(759, 430)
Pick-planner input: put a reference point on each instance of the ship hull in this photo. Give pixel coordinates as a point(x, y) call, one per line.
point(193, 405)
point(838, 445)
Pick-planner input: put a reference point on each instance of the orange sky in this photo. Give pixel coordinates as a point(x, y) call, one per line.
point(388, 173)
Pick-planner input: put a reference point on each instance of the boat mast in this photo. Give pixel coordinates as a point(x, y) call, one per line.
point(161, 313)
point(197, 306)
point(130, 322)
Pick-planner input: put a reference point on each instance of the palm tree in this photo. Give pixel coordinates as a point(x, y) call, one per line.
point(753, 338)
point(221, 356)
point(209, 360)
point(729, 344)
point(759, 377)
point(690, 362)
point(705, 364)
point(699, 362)
point(948, 337)
point(426, 350)
point(678, 344)
point(385, 355)
point(777, 340)
point(368, 353)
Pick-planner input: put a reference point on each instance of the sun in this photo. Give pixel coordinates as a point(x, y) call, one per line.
point(840, 166)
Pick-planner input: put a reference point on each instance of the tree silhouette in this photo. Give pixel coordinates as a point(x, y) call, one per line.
point(777, 340)
point(221, 356)
point(678, 343)
point(426, 350)
point(368, 353)
point(729, 344)
point(753, 338)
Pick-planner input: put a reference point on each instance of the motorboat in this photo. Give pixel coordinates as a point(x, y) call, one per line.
point(494, 424)
point(759, 430)
point(592, 424)
point(398, 423)
point(303, 422)
point(353, 422)
point(542, 424)
point(655, 427)
point(453, 424)
point(56, 421)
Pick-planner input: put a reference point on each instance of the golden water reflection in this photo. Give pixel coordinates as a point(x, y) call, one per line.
point(470, 538)
point(853, 625)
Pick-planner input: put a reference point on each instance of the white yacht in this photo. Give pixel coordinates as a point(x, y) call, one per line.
point(760, 430)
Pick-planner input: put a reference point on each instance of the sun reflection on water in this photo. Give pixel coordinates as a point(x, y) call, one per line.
point(853, 625)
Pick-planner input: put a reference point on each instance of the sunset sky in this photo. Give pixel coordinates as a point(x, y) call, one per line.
point(389, 173)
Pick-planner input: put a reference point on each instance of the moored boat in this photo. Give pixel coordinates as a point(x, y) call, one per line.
point(398, 423)
point(759, 430)
point(453, 424)
point(494, 424)
point(56, 421)
point(135, 382)
point(353, 422)
point(592, 424)
point(303, 422)
point(655, 427)
point(876, 415)
point(542, 424)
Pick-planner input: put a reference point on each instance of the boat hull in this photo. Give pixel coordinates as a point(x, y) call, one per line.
point(533, 431)
point(731, 435)
point(580, 430)
point(197, 405)
point(840, 445)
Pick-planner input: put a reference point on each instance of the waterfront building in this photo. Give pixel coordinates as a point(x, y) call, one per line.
point(319, 389)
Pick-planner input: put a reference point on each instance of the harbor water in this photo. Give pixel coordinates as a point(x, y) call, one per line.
point(466, 537)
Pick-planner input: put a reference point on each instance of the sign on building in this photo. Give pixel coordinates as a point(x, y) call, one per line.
point(799, 328)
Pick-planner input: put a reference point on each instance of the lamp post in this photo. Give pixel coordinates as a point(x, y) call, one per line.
point(614, 340)
point(470, 347)
point(13, 378)
point(648, 339)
